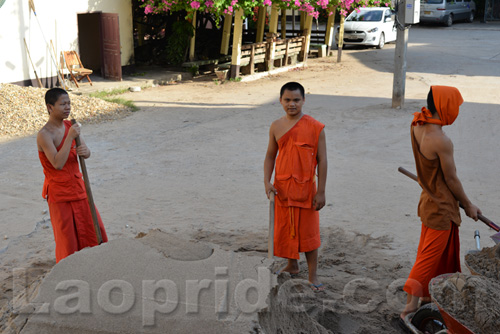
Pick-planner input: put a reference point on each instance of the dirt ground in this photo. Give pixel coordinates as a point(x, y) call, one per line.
point(190, 163)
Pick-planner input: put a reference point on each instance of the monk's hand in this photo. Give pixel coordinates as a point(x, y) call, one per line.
point(472, 211)
point(83, 151)
point(319, 201)
point(74, 131)
point(270, 189)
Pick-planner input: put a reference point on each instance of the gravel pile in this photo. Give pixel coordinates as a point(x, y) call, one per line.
point(23, 111)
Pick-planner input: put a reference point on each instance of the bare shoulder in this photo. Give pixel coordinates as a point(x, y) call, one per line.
point(441, 142)
point(44, 136)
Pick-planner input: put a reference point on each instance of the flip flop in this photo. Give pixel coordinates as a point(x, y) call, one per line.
point(317, 287)
point(291, 275)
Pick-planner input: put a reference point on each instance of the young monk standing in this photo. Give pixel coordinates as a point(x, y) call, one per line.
point(63, 187)
point(300, 141)
point(439, 247)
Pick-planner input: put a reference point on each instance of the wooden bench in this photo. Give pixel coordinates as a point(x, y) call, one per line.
point(273, 53)
point(252, 54)
point(290, 50)
point(211, 64)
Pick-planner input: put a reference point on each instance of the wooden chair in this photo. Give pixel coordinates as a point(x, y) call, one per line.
point(75, 67)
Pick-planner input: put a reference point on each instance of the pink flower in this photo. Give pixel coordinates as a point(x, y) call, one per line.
point(267, 2)
point(297, 3)
point(209, 3)
point(195, 5)
point(148, 9)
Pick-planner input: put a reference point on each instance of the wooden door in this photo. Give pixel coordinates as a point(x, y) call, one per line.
point(110, 47)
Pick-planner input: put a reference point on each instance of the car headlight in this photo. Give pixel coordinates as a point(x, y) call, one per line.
point(373, 30)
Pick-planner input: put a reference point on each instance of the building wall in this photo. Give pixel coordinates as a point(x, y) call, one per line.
point(55, 20)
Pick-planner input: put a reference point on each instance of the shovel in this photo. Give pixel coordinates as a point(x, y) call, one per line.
point(89, 192)
point(495, 237)
point(270, 240)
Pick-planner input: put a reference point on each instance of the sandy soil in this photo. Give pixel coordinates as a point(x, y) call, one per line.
point(190, 163)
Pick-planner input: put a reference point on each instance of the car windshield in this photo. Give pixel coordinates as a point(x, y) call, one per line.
point(366, 15)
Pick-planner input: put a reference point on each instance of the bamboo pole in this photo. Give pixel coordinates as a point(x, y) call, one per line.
point(273, 21)
point(341, 38)
point(226, 34)
point(261, 24)
point(330, 25)
point(283, 23)
point(237, 39)
point(308, 26)
point(193, 39)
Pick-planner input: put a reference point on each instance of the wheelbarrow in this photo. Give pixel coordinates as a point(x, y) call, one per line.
point(432, 318)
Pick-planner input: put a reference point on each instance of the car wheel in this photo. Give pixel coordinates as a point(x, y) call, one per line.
point(471, 17)
point(449, 21)
point(381, 41)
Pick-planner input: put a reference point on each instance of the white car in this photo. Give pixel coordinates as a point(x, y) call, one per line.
point(372, 26)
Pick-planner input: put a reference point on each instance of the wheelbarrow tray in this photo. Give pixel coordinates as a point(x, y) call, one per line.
point(452, 324)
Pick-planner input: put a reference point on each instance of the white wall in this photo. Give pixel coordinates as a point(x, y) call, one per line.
point(55, 20)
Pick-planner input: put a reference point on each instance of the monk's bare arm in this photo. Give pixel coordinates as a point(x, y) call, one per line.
point(444, 149)
point(320, 199)
point(45, 144)
point(272, 151)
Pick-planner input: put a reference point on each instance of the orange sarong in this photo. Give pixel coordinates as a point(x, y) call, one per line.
point(296, 223)
point(438, 253)
point(69, 209)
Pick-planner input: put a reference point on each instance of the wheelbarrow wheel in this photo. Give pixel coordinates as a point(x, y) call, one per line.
point(427, 319)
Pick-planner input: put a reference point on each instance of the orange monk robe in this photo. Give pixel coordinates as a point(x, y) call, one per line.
point(438, 253)
point(439, 247)
point(296, 223)
point(68, 205)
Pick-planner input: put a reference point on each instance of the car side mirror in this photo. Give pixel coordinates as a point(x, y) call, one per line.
point(388, 19)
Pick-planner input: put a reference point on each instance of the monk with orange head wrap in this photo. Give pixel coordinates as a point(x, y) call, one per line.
point(299, 142)
point(439, 247)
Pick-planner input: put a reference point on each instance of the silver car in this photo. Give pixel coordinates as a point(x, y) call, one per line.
point(373, 26)
point(447, 11)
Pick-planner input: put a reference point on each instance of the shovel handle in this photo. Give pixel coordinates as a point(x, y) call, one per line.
point(270, 240)
point(90, 198)
point(480, 216)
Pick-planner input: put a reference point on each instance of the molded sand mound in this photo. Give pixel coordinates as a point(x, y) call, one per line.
point(486, 262)
point(471, 300)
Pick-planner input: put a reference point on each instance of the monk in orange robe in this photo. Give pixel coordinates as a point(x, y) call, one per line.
point(439, 247)
point(63, 187)
point(300, 141)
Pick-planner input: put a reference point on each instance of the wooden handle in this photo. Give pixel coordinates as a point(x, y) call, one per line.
point(480, 216)
point(270, 240)
point(90, 198)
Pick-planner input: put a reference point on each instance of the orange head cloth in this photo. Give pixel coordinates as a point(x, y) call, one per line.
point(447, 101)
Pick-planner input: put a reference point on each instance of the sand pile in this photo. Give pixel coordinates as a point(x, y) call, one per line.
point(486, 262)
point(23, 111)
point(472, 300)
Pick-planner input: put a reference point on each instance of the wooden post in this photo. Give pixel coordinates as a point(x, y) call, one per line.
point(285, 60)
point(308, 27)
point(341, 38)
point(237, 38)
point(270, 49)
point(302, 20)
point(398, 86)
point(273, 20)
point(252, 59)
point(261, 24)
point(226, 34)
point(330, 24)
point(193, 39)
point(283, 24)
